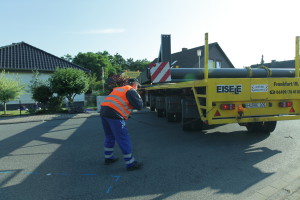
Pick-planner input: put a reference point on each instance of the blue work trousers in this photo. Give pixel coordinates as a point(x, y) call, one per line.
point(116, 130)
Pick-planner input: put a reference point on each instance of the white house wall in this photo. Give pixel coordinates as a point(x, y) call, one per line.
point(26, 78)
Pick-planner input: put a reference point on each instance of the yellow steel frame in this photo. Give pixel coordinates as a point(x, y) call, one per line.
point(297, 58)
point(285, 89)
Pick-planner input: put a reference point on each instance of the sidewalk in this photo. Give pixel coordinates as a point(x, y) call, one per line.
point(284, 186)
point(37, 118)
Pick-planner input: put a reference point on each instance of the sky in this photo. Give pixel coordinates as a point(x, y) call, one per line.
point(245, 29)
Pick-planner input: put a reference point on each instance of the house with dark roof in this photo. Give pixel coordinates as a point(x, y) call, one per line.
point(277, 64)
point(23, 59)
point(194, 58)
point(189, 58)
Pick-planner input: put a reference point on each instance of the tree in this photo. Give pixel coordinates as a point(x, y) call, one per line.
point(137, 65)
point(116, 81)
point(117, 62)
point(106, 64)
point(95, 62)
point(94, 85)
point(90, 61)
point(10, 89)
point(67, 57)
point(69, 82)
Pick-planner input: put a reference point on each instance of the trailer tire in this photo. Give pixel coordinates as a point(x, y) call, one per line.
point(270, 126)
point(261, 127)
point(190, 124)
point(161, 113)
point(171, 117)
point(186, 126)
point(152, 108)
point(178, 117)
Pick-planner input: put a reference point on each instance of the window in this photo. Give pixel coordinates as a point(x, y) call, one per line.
point(211, 64)
point(218, 64)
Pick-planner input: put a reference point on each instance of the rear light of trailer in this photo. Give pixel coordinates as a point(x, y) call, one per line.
point(227, 106)
point(285, 104)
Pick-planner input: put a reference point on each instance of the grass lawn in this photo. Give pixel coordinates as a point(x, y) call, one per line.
point(13, 113)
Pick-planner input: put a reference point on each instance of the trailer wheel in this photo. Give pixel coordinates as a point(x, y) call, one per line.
point(174, 117)
point(270, 126)
point(161, 113)
point(171, 117)
point(261, 127)
point(190, 124)
point(186, 124)
point(178, 117)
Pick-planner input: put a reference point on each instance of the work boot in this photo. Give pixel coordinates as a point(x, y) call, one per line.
point(110, 161)
point(135, 166)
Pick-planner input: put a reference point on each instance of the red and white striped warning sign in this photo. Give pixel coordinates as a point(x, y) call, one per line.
point(160, 72)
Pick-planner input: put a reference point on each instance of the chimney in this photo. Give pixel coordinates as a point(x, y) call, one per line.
point(184, 49)
point(165, 49)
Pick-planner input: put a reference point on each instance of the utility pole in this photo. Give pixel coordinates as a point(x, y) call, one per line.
point(103, 79)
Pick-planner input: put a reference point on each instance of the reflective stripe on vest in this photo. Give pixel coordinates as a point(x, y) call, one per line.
point(124, 104)
point(118, 101)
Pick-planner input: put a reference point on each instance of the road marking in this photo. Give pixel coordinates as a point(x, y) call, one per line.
point(108, 190)
point(49, 174)
point(88, 174)
point(115, 178)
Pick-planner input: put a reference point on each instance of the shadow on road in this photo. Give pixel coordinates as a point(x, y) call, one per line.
point(175, 162)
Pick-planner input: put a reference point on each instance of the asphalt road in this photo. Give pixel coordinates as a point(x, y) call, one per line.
point(62, 160)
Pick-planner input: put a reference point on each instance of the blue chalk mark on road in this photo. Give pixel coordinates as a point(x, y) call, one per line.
point(88, 174)
point(108, 190)
point(47, 174)
point(61, 174)
point(116, 178)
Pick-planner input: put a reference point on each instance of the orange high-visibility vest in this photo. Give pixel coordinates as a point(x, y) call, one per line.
point(117, 100)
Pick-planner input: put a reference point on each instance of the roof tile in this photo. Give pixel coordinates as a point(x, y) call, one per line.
point(22, 56)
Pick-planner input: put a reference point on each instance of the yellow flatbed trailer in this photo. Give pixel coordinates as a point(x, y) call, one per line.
point(257, 103)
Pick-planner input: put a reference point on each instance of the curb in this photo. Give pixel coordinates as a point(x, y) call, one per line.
point(42, 118)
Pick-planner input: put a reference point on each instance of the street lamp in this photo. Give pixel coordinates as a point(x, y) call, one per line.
point(199, 55)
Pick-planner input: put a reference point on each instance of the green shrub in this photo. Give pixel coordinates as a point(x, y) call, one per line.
point(55, 104)
point(42, 93)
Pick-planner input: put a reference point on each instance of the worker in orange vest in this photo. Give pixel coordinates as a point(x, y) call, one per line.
point(115, 109)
